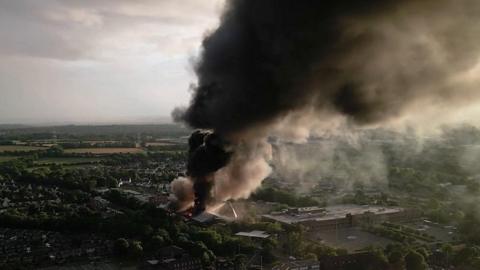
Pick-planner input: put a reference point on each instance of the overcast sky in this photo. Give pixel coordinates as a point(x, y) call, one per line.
point(98, 60)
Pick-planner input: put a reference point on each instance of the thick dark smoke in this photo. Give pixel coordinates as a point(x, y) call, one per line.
point(207, 154)
point(367, 61)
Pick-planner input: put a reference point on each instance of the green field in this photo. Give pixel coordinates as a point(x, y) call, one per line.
point(20, 148)
point(104, 151)
point(65, 161)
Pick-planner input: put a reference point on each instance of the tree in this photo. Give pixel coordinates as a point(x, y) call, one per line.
point(294, 245)
point(311, 256)
point(209, 237)
point(199, 250)
point(423, 251)
point(120, 247)
point(447, 250)
point(466, 256)
point(469, 225)
point(396, 260)
point(157, 242)
point(240, 261)
point(111, 182)
point(415, 261)
point(378, 260)
point(267, 251)
point(136, 249)
point(146, 230)
point(164, 234)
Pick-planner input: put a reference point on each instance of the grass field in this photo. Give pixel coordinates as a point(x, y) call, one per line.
point(20, 148)
point(104, 151)
point(65, 161)
point(351, 239)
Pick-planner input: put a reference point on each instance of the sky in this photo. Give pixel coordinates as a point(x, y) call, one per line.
point(99, 61)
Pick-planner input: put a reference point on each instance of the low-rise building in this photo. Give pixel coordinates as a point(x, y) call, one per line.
point(341, 216)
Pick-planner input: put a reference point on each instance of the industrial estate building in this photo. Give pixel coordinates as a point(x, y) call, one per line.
point(341, 216)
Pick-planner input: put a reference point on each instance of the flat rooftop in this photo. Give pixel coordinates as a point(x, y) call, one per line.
point(254, 234)
point(332, 212)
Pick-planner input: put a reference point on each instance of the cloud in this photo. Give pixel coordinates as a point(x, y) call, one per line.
point(87, 60)
point(74, 30)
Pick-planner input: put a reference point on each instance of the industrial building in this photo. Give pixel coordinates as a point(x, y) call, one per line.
point(341, 216)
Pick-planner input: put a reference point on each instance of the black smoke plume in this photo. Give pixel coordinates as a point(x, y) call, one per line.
point(207, 154)
point(367, 61)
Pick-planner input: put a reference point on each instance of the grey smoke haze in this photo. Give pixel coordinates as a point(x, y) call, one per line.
point(333, 161)
point(284, 64)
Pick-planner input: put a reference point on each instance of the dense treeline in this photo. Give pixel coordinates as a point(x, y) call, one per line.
point(80, 144)
point(55, 176)
point(144, 224)
point(94, 132)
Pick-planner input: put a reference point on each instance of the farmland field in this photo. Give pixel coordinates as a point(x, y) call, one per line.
point(20, 148)
point(105, 151)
